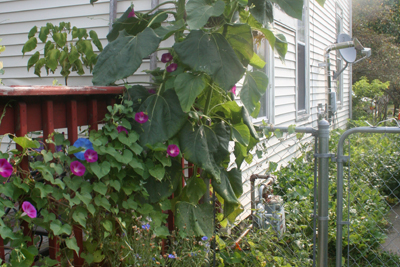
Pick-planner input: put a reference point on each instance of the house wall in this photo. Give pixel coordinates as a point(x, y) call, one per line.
point(18, 17)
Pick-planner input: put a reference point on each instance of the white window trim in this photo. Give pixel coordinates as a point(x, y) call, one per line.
point(305, 113)
point(270, 92)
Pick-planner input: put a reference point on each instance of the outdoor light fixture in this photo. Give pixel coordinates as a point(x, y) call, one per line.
point(348, 51)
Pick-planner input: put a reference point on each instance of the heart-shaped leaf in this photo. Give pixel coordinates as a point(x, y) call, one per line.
point(254, 86)
point(230, 187)
point(212, 54)
point(199, 11)
point(240, 37)
point(166, 117)
point(195, 219)
point(199, 144)
point(293, 8)
point(122, 57)
point(188, 86)
point(262, 11)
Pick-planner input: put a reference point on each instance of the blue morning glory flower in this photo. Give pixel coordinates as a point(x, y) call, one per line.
point(82, 143)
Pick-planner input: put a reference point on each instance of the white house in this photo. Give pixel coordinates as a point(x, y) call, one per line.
point(297, 86)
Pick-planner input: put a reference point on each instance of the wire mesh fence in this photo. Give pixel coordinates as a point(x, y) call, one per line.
point(371, 200)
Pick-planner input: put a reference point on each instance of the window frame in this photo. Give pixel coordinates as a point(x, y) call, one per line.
point(302, 114)
point(269, 96)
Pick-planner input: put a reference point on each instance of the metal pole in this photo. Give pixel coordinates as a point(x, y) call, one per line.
point(323, 193)
point(113, 13)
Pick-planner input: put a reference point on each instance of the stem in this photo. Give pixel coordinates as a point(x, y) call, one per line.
point(165, 3)
point(180, 14)
point(162, 88)
point(164, 12)
point(233, 10)
point(208, 101)
point(136, 82)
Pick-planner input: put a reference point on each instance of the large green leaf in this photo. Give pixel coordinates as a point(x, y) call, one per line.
point(167, 31)
point(293, 8)
point(135, 25)
point(281, 46)
point(195, 219)
point(248, 18)
point(254, 86)
point(166, 117)
point(161, 190)
point(199, 11)
point(195, 188)
point(262, 10)
point(122, 57)
point(137, 94)
point(249, 123)
point(52, 59)
point(230, 187)
point(222, 132)
point(199, 144)
point(240, 133)
point(240, 38)
point(33, 59)
point(212, 54)
point(188, 86)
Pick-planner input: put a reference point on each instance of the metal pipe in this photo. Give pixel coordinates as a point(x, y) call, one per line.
point(323, 193)
point(113, 13)
point(239, 239)
point(339, 182)
point(253, 178)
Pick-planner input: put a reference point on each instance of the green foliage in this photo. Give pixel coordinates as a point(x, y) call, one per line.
point(2, 48)
point(58, 51)
point(368, 97)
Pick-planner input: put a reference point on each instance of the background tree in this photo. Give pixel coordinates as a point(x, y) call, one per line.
point(376, 25)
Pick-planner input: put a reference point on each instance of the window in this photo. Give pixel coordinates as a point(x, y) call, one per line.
point(302, 63)
point(339, 60)
point(266, 113)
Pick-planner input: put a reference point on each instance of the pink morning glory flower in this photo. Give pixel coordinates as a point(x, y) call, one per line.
point(233, 90)
point(167, 57)
point(131, 14)
point(77, 168)
point(173, 150)
point(91, 155)
point(172, 67)
point(29, 209)
point(152, 91)
point(141, 117)
point(122, 129)
point(6, 168)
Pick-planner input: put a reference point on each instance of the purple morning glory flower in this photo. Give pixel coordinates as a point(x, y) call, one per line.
point(152, 91)
point(131, 14)
point(172, 67)
point(6, 168)
point(122, 128)
point(82, 143)
point(233, 90)
point(77, 168)
point(28, 209)
point(141, 117)
point(173, 150)
point(91, 155)
point(167, 57)
point(204, 238)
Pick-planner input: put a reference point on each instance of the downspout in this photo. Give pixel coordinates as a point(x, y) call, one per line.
point(351, 66)
point(113, 13)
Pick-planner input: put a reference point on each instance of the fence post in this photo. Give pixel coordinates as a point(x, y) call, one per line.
point(323, 193)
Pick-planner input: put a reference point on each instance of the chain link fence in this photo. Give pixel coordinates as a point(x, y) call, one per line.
point(371, 198)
